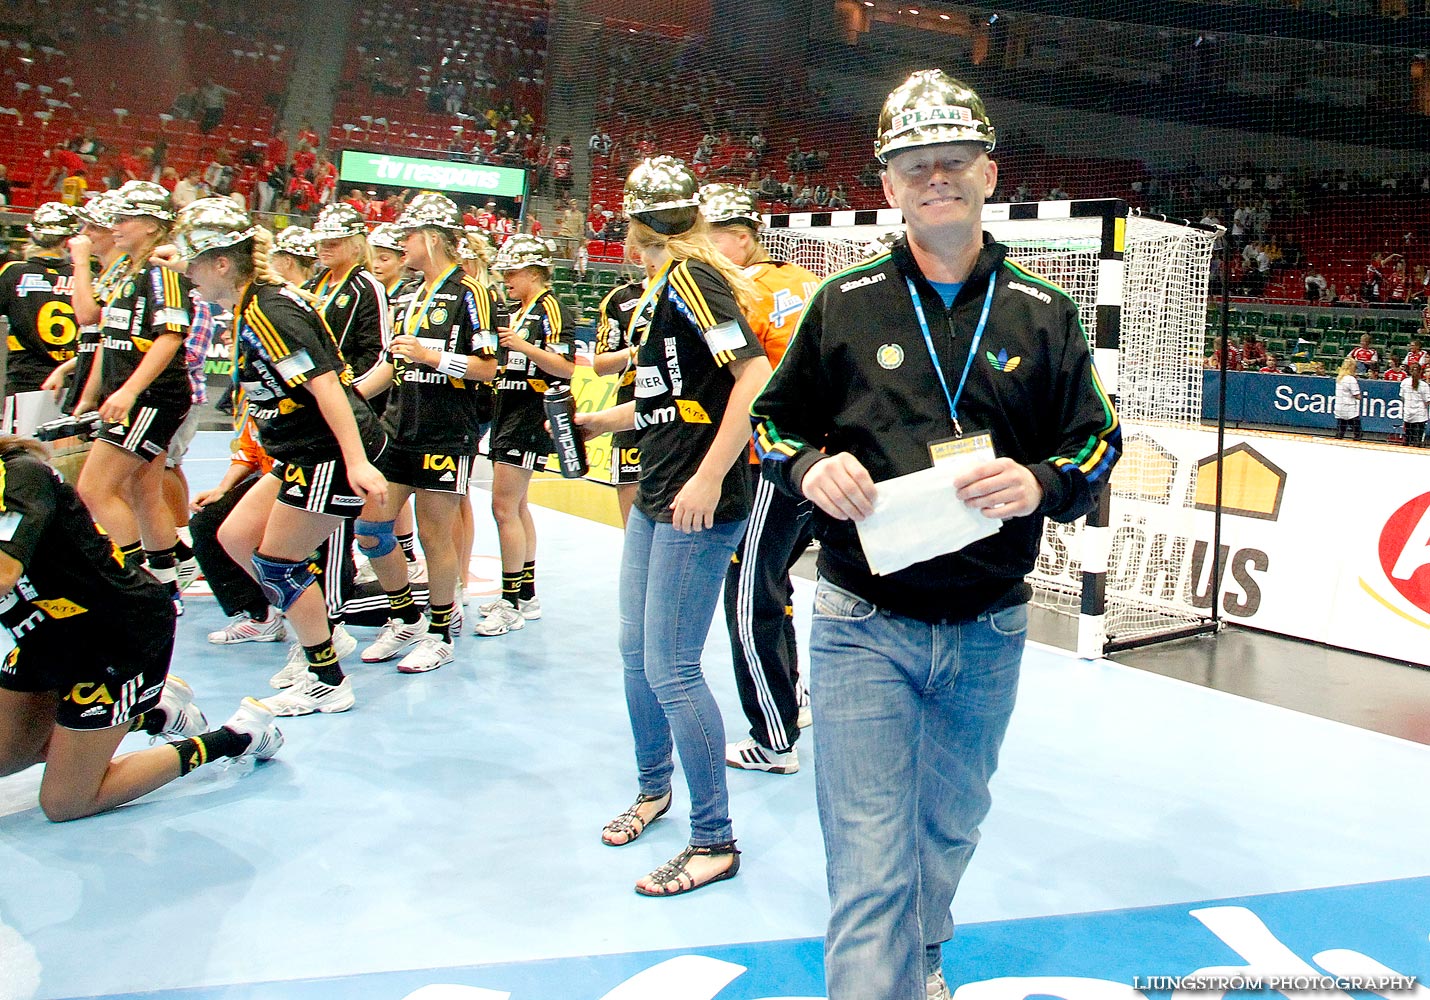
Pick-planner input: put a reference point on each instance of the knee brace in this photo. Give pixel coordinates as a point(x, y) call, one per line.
point(380, 530)
point(281, 581)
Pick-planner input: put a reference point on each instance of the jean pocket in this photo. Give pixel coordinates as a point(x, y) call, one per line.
point(834, 602)
point(1009, 621)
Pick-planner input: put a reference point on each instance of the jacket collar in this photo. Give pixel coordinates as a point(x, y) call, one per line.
point(990, 258)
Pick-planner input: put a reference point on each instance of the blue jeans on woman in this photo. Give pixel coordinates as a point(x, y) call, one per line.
point(670, 584)
point(910, 717)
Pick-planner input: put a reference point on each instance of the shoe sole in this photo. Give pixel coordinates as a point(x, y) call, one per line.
point(406, 646)
point(401, 669)
point(775, 769)
point(275, 637)
point(315, 710)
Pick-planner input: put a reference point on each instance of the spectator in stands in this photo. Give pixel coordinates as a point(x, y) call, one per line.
point(1374, 279)
point(1315, 285)
point(87, 146)
point(561, 169)
point(1347, 404)
point(212, 99)
point(1414, 406)
point(1372, 372)
point(1416, 355)
point(1393, 373)
point(869, 175)
point(73, 187)
point(570, 227)
point(188, 190)
point(1419, 286)
point(1364, 355)
point(64, 162)
point(838, 198)
point(186, 105)
point(5, 195)
point(1398, 283)
point(1233, 357)
point(1253, 352)
point(1273, 366)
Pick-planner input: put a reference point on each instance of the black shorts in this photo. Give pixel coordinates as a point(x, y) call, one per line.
point(519, 434)
point(148, 432)
point(435, 472)
point(625, 458)
point(101, 686)
point(321, 488)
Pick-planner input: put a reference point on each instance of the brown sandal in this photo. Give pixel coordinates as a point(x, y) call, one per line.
point(629, 823)
point(674, 873)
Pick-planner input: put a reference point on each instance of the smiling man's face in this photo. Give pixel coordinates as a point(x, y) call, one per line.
point(941, 187)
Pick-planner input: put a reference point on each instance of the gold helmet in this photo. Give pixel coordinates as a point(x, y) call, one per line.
point(99, 210)
point(388, 237)
point(929, 108)
point(729, 204)
point(297, 241)
point(338, 221)
point(663, 194)
point(434, 210)
point(210, 224)
point(53, 221)
point(523, 250)
point(143, 198)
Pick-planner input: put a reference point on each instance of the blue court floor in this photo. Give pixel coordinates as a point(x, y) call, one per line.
point(440, 841)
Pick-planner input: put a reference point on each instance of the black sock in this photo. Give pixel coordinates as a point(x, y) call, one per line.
point(401, 606)
point(131, 553)
point(183, 552)
point(258, 610)
point(151, 722)
point(528, 580)
point(162, 564)
point(200, 750)
point(323, 662)
point(409, 546)
point(511, 587)
point(441, 621)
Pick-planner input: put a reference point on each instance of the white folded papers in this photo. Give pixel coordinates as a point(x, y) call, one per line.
point(919, 516)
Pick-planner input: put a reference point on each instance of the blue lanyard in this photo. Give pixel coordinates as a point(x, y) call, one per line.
point(972, 348)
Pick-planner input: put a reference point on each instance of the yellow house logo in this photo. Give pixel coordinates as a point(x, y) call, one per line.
point(1254, 484)
point(1147, 470)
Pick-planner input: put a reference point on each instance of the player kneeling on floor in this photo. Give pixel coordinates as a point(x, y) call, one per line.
point(68, 696)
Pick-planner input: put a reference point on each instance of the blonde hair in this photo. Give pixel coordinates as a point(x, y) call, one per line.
point(694, 244)
point(139, 259)
point(1348, 367)
point(445, 242)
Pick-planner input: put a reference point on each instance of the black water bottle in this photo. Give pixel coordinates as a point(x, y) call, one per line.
point(561, 415)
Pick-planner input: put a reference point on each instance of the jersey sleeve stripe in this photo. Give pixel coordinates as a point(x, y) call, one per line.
point(684, 284)
point(553, 317)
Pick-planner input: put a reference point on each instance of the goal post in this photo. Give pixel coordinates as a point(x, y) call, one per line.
point(1140, 285)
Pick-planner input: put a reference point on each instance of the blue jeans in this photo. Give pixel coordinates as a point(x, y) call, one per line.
point(909, 718)
point(670, 584)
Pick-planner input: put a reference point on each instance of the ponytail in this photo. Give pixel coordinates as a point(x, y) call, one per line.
point(694, 244)
point(262, 253)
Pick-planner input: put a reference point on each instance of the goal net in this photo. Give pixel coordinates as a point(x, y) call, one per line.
point(1141, 287)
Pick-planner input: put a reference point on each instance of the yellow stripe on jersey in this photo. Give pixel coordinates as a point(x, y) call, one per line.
point(268, 334)
point(684, 284)
point(5, 267)
point(2, 487)
point(483, 300)
point(174, 303)
point(552, 307)
point(605, 324)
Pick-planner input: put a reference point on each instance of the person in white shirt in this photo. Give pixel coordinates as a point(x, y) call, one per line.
point(1347, 405)
point(1414, 405)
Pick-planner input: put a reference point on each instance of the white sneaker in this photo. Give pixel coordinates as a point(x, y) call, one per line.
point(311, 695)
point(805, 719)
point(416, 571)
point(344, 645)
point(530, 610)
point(365, 572)
point(182, 717)
point(500, 620)
point(751, 755)
point(394, 638)
point(246, 629)
point(255, 720)
point(429, 654)
point(936, 989)
point(188, 572)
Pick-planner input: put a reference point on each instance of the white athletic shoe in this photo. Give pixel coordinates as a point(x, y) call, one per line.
point(365, 572)
point(805, 719)
point(188, 572)
point(255, 720)
point(246, 629)
point(530, 610)
point(936, 989)
point(417, 571)
point(344, 645)
point(751, 755)
point(429, 654)
point(182, 717)
point(311, 695)
point(394, 638)
point(500, 620)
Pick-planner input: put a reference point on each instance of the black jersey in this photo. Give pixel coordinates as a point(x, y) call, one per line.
point(430, 411)
point(683, 385)
point(141, 308)
point(90, 335)
point(547, 323)
point(355, 308)
point(35, 298)
point(619, 329)
point(76, 588)
point(280, 345)
point(397, 302)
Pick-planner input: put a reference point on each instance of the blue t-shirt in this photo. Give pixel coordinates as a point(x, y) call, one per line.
point(947, 290)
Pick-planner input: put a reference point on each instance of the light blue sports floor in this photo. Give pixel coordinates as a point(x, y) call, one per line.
point(440, 841)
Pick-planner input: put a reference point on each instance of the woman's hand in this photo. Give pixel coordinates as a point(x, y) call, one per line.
point(367, 482)
point(115, 409)
point(411, 348)
point(55, 380)
point(201, 500)
point(514, 341)
point(167, 257)
point(81, 249)
point(694, 506)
